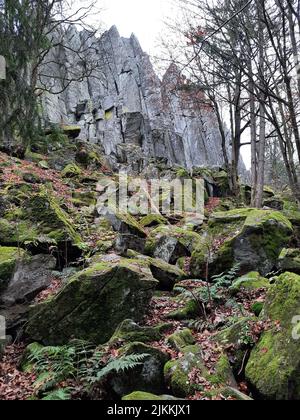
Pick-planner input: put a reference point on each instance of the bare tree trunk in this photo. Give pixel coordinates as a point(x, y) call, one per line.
point(253, 128)
point(262, 110)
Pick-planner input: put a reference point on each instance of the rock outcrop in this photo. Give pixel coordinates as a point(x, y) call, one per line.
point(124, 106)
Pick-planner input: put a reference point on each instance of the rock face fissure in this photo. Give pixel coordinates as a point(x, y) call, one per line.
point(127, 109)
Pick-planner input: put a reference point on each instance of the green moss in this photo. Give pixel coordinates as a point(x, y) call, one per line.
point(13, 233)
point(257, 308)
point(181, 339)
point(133, 225)
point(289, 260)
point(249, 282)
point(71, 171)
point(71, 131)
point(230, 216)
point(93, 303)
point(190, 311)
point(143, 396)
point(177, 372)
point(238, 337)
point(254, 242)
point(87, 198)
point(53, 221)
point(153, 220)
point(274, 366)
point(33, 157)
point(129, 332)
point(223, 373)
point(8, 259)
point(188, 239)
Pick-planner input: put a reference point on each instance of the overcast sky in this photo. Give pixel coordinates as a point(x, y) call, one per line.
point(144, 18)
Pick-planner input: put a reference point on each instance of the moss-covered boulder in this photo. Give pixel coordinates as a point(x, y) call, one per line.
point(249, 282)
point(148, 376)
point(31, 276)
point(19, 232)
point(152, 220)
point(181, 339)
point(71, 171)
point(274, 366)
point(256, 238)
point(146, 396)
point(86, 198)
point(190, 310)
point(275, 203)
point(45, 211)
point(169, 243)
point(167, 275)
point(8, 260)
point(125, 224)
point(238, 339)
point(129, 331)
point(289, 260)
point(177, 371)
point(93, 303)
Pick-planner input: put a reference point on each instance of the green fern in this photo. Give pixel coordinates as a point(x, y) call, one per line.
point(119, 365)
point(61, 394)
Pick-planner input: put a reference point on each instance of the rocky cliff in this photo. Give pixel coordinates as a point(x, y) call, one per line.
point(124, 106)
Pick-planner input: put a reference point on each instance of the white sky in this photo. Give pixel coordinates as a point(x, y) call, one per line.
point(144, 18)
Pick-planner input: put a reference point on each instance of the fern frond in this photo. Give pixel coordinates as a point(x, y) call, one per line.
point(121, 365)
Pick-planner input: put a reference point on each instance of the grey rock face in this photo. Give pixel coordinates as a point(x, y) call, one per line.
point(30, 278)
point(129, 111)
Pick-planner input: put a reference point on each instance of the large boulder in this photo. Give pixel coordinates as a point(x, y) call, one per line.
point(131, 234)
point(30, 278)
point(45, 211)
point(238, 340)
point(9, 257)
point(129, 331)
point(249, 282)
point(169, 243)
point(148, 376)
point(166, 274)
point(255, 240)
point(289, 260)
point(177, 372)
point(273, 370)
point(94, 302)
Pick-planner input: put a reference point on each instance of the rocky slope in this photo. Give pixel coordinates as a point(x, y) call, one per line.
point(80, 306)
point(124, 107)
